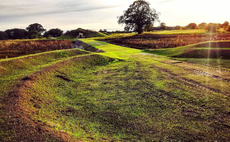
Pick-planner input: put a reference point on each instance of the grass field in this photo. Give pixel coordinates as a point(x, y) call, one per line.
point(162, 41)
point(122, 94)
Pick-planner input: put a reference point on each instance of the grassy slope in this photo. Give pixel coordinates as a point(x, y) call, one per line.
point(16, 68)
point(12, 71)
point(43, 100)
point(189, 50)
point(137, 99)
point(113, 51)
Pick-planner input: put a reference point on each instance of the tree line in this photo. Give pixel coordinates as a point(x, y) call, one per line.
point(33, 31)
point(212, 27)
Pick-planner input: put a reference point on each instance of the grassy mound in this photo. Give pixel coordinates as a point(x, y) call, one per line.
point(202, 50)
point(216, 44)
point(36, 110)
point(87, 33)
point(207, 53)
point(215, 50)
point(15, 68)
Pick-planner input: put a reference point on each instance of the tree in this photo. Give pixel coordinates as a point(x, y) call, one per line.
point(228, 29)
point(137, 16)
point(103, 31)
point(33, 34)
point(53, 32)
point(149, 28)
point(178, 27)
point(35, 27)
point(202, 25)
point(225, 25)
point(16, 33)
point(35, 30)
point(191, 26)
point(212, 27)
point(163, 26)
point(3, 35)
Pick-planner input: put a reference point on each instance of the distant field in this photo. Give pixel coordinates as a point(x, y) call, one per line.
point(159, 41)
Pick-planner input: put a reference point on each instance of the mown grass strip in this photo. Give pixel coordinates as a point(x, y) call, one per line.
point(111, 50)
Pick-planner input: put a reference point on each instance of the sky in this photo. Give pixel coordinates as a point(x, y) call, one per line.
point(102, 14)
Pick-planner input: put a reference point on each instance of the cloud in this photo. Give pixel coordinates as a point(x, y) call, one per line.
point(55, 11)
point(57, 7)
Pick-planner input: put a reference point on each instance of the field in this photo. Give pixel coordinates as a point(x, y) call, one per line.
point(9, 49)
point(154, 41)
point(187, 45)
point(121, 94)
point(214, 53)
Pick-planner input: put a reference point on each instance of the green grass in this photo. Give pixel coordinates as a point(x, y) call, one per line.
point(219, 63)
point(125, 101)
point(130, 98)
point(112, 51)
point(15, 68)
point(170, 52)
point(200, 55)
